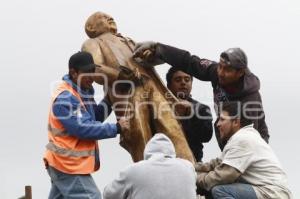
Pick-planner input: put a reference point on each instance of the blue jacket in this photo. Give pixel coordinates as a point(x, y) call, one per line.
point(83, 123)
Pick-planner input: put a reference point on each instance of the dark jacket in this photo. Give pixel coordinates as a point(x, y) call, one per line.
point(206, 70)
point(198, 129)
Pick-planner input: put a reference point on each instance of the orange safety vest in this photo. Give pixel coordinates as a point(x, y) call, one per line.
point(67, 153)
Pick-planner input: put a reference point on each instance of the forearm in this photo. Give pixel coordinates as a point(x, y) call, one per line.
point(222, 174)
point(186, 62)
point(78, 122)
point(208, 166)
point(94, 130)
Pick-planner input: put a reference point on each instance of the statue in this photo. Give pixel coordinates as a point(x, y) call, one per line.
point(145, 101)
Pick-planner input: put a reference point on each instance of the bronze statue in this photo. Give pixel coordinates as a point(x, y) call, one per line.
point(146, 101)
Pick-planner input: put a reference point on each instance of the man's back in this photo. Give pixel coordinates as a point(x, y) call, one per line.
point(159, 176)
point(162, 178)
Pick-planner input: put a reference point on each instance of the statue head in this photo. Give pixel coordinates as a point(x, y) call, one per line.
point(99, 23)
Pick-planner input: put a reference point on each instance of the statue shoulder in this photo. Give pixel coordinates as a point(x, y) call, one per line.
point(93, 46)
point(89, 43)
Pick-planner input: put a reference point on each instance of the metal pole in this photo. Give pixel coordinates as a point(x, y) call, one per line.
point(28, 194)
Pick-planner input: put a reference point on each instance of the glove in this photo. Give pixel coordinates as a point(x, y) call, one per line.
point(144, 50)
point(146, 54)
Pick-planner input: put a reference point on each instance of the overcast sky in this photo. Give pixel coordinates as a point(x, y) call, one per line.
point(38, 37)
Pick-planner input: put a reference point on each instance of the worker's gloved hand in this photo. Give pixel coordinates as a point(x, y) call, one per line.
point(147, 54)
point(144, 50)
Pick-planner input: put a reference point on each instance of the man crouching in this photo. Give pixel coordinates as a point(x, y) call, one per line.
point(247, 168)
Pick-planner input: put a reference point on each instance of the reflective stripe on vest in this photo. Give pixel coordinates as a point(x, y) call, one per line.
point(57, 132)
point(65, 152)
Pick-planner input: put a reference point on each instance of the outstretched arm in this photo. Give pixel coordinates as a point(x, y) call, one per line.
point(202, 69)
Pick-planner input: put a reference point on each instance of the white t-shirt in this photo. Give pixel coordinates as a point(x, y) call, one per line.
point(253, 157)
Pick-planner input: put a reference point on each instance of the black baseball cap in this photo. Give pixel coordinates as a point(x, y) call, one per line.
point(82, 61)
point(235, 57)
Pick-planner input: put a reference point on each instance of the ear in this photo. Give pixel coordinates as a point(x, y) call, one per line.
point(236, 123)
point(240, 72)
point(73, 74)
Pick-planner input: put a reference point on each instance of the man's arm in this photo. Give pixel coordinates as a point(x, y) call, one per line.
point(222, 174)
point(208, 166)
point(255, 112)
point(78, 122)
point(119, 188)
point(202, 69)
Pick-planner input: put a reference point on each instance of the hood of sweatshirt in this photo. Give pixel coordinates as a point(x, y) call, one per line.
point(159, 146)
point(250, 84)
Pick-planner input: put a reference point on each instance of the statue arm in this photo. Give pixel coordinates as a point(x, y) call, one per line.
point(104, 73)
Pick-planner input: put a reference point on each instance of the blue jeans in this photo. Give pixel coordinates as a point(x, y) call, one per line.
point(234, 191)
point(70, 186)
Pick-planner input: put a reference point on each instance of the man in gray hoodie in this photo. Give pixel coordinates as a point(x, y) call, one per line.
point(160, 175)
point(230, 78)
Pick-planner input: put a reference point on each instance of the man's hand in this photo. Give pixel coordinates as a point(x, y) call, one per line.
point(201, 167)
point(124, 124)
point(144, 50)
point(183, 108)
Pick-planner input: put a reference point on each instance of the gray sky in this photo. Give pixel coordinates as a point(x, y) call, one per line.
point(38, 37)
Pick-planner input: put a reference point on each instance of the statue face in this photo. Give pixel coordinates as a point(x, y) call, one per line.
point(100, 23)
point(105, 23)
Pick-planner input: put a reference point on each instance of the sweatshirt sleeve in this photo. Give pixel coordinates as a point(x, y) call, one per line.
point(119, 188)
point(102, 110)
point(202, 69)
point(78, 122)
point(255, 112)
point(202, 121)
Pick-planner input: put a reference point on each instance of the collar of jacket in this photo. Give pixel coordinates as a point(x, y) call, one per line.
point(84, 94)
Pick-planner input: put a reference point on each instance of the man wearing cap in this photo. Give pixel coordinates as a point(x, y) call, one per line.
point(74, 126)
point(231, 78)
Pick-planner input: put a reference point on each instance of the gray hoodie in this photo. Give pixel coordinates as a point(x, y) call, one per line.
point(159, 176)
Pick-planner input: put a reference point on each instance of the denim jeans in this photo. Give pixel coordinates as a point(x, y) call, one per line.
point(72, 186)
point(234, 191)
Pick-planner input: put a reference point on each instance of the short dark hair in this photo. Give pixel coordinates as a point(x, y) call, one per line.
point(235, 110)
point(171, 73)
